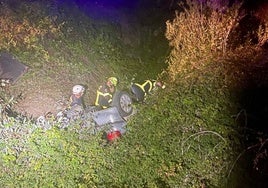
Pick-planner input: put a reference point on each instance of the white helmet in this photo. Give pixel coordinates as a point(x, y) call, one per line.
point(78, 89)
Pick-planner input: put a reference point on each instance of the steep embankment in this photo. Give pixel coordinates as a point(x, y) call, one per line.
point(87, 47)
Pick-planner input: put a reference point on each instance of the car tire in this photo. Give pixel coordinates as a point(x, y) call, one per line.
point(123, 102)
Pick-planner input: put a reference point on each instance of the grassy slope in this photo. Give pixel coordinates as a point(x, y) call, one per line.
point(180, 138)
point(86, 52)
point(184, 137)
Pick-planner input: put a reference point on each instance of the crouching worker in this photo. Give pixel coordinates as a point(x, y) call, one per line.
point(140, 91)
point(105, 93)
point(76, 102)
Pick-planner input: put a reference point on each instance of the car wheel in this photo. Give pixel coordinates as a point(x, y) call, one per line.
point(123, 102)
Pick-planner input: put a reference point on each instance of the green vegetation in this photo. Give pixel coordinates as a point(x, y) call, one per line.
point(184, 136)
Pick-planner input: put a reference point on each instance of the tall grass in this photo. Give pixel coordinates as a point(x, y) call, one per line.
point(202, 36)
point(208, 52)
point(22, 31)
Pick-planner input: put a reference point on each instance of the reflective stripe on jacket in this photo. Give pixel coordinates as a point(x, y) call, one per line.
point(141, 90)
point(103, 99)
point(147, 86)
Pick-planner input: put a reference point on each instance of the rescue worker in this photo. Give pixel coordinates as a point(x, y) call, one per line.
point(105, 93)
point(76, 102)
point(77, 96)
point(140, 91)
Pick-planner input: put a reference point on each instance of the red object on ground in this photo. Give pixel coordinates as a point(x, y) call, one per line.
point(111, 136)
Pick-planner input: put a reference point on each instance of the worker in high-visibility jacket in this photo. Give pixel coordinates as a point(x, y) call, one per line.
point(76, 97)
point(76, 103)
point(105, 93)
point(140, 91)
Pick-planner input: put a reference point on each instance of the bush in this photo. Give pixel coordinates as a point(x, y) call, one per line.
point(208, 54)
point(202, 35)
point(21, 31)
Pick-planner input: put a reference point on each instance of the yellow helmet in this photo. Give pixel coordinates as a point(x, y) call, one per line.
point(113, 80)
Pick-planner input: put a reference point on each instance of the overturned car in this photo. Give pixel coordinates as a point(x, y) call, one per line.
point(112, 120)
